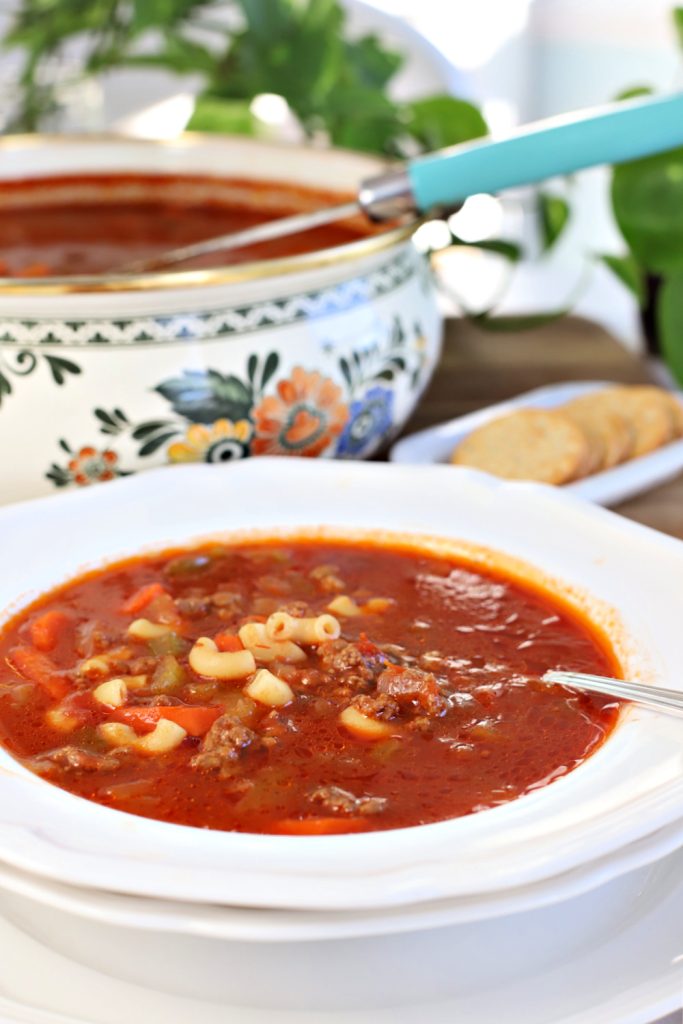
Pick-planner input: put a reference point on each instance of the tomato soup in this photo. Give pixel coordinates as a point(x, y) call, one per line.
point(298, 687)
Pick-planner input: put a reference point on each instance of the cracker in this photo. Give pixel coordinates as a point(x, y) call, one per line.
point(610, 435)
point(648, 410)
point(528, 444)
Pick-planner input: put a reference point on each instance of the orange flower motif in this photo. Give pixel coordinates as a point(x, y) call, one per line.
point(303, 419)
point(91, 466)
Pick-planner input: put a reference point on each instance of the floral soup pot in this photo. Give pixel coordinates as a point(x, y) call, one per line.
point(320, 354)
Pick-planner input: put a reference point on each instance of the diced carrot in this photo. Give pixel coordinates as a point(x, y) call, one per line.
point(39, 669)
point(45, 631)
point(141, 598)
point(318, 826)
point(228, 642)
point(194, 720)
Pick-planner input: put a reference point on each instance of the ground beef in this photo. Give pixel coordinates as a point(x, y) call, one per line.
point(335, 800)
point(226, 741)
point(327, 578)
point(74, 759)
point(92, 638)
point(297, 609)
point(354, 665)
point(376, 706)
point(193, 607)
point(413, 688)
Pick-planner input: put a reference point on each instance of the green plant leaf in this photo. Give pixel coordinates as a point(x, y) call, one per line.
point(269, 367)
point(669, 318)
point(154, 443)
point(520, 322)
point(444, 121)
point(628, 271)
point(647, 197)
point(214, 114)
point(677, 14)
point(553, 214)
point(633, 92)
point(150, 427)
point(511, 251)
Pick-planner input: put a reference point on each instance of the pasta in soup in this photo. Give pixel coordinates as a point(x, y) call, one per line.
point(300, 687)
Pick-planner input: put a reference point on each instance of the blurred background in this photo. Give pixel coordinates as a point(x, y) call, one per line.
point(515, 60)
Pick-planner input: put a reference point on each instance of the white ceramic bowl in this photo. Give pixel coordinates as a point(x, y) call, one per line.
point(622, 574)
point(131, 372)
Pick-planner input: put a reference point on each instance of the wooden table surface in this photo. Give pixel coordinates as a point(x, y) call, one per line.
point(479, 368)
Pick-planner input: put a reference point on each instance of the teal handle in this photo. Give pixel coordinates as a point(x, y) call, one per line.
point(609, 135)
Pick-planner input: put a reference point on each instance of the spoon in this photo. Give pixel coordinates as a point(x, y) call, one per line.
point(658, 698)
point(611, 134)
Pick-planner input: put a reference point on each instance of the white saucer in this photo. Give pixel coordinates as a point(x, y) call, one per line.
point(630, 972)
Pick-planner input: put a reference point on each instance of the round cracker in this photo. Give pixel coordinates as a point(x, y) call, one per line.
point(609, 433)
point(648, 410)
point(676, 411)
point(529, 444)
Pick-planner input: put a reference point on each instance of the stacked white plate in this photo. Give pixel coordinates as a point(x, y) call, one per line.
point(468, 913)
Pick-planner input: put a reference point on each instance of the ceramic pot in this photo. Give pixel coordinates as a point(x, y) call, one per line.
point(321, 354)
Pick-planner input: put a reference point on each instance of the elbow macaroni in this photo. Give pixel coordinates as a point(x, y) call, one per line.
point(206, 660)
point(344, 605)
point(113, 693)
point(269, 689)
point(315, 630)
point(253, 636)
point(164, 737)
point(143, 629)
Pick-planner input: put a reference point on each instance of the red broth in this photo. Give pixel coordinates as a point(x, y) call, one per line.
point(93, 225)
point(442, 660)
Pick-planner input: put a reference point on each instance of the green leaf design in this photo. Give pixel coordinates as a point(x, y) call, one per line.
point(65, 446)
point(270, 366)
point(520, 322)
point(252, 364)
point(59, 477)
point(629, 273)
point(5, 387)
point(346, 372)
point(150, 427)
point(60, 367)
point(444, 121)
point(154, 443)
point(203, 396)
point(553, 214)
point(670, 324)
point(647, 197)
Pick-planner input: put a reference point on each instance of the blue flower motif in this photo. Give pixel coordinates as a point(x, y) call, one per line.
point(370, 418)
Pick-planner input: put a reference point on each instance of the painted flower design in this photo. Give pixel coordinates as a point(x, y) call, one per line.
point(304, 418)
point(222, 441)
point(90, 466)
point(370, 418)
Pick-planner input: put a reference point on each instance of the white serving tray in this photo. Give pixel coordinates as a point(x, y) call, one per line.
point(607, 488)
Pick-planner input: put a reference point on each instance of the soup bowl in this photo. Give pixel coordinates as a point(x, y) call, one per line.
point(324, 353)
point(403, 912)
point(629, 788)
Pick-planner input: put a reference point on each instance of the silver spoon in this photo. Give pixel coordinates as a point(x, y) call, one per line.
point(612, 134)
point(658, 698)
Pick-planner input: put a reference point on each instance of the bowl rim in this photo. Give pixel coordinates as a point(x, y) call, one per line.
point(253, 270)
point(630, 787)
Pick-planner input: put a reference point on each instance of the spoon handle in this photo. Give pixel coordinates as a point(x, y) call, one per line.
point(612, 134)
point(657, 698)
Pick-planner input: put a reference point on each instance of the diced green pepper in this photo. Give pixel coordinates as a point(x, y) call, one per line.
point(169, 676)
point(169, 643)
